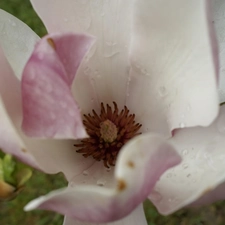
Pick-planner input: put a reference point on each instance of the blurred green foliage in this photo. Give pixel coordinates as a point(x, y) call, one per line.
point(23, 10)
point(11, 213)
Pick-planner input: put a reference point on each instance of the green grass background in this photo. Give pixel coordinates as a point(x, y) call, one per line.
point(11, 213)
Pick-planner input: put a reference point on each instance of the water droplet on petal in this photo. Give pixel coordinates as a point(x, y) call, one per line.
point(185, 166)
point(182, 125)
point(101, 183)
point(111, 54)
point(162, 91)
point(85, 173)
point(156, 196)
point(185, 152)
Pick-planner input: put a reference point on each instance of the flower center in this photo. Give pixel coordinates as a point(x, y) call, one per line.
point(108, 132)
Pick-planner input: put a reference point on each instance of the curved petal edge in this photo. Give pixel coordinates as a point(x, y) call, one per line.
point(141, 163)
point(49, 109)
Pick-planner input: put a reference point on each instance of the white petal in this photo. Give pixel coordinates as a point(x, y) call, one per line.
point(219, 21)
point(202, 168)
point(173, 77)
point(137, 217)
point(17, 41)
point(96, 174)
point(56, 156)
point(140, 164)
point(103, 75)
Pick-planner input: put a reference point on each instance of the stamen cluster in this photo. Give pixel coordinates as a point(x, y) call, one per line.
point(122, 127)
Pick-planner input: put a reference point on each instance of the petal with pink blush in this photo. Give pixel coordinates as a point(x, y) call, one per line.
point(137, 217)
point(202, 167)
point(34, 152)
point(10, 141)
point(173, 69)
point(17, 41)
point(11, 114)
point(140, 164)
point(49, 109)
point(219, 21)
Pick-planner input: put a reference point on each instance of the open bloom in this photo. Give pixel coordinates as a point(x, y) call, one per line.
point(157, 58)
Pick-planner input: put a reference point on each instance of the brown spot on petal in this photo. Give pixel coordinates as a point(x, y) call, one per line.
point(52, 43)
point(206, 191)
point(130, 164)
point(121, 185)
point(24, 150)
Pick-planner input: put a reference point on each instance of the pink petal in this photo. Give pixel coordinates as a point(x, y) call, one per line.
point(17, 41)
point(140, 164)
point(173, 75)
point(103, 76)
point(134, 218)
point(10, 111)
point(10, 141)
point(218, 21)
point(50, 156)
point(202, 168)
point(49, 108)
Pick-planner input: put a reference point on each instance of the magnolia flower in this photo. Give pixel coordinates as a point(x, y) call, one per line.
point(155, 64)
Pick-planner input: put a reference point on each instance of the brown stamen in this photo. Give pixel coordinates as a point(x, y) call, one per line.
point(107, 132)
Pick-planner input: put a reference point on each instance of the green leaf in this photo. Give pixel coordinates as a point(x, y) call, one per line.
point(8, 169)
point(22, 176)
point(1, 170)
